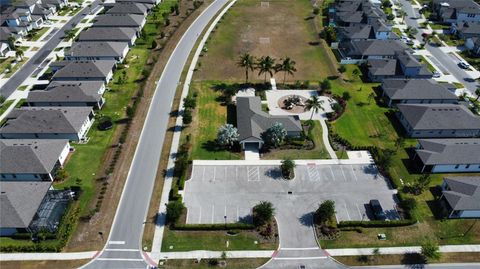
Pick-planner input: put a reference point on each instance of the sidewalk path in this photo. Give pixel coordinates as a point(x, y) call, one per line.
point(47, 256)
point(400, 250)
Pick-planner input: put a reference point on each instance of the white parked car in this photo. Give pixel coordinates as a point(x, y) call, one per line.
point(464, 65)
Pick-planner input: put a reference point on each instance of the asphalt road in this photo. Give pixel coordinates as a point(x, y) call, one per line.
point(448, 62)
point(27, 69)
point(123, 247)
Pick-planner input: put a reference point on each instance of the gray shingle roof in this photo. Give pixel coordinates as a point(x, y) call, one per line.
point(252, 121)
point(118, 20)
point(85, 69)
point(416, 89)
point(45, 120)
point(449, 151)
point(151, 2)
point(376, 47)
point(96, 49)
point(128, 8)
point(30, 156)
point(19, 201)
point(107, 34)
point(361, 31)
point(463, 193)
point(439, 117)
point(68, 91)
point(469, 28)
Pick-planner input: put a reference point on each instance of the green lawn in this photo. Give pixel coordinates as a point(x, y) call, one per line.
point(5, 105)
point(319, 152)
point(39, 33)
point(230, 264)
point(208, 117)
point(211, 240)
point(15, 67)
point(427, 63)
point(5, 63)
point(366, 124)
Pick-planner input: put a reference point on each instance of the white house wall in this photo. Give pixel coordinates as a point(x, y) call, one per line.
point(451, 168)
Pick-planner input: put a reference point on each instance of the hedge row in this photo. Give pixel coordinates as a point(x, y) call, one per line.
point(213, 227)
point(377, 223)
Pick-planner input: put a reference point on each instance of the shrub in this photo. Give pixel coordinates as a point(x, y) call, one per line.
point(213, 227)
point(105, 123)
point(187, 117)
point(325, 211)
point(316, 10)
point(430, 250)
point(377, 223)
point(174, 211)
point(325, 84)
point(189, 102)
point(288, 168)
point(342, 69)
point(263, 213)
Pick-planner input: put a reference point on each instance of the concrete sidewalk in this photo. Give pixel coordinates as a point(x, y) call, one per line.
point(205, 254)
point(400, 250)
point(47, 256)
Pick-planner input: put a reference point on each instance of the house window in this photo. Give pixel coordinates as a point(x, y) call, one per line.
point(456, 166)
point(467, 166)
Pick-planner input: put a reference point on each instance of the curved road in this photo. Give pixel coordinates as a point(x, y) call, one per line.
point(122, 250)
point(31, 65)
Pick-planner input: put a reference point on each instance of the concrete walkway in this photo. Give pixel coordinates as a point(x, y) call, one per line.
point(400, 250)
point(47, 256)
point(251, 152)
point(167, 185)
point(326, 140)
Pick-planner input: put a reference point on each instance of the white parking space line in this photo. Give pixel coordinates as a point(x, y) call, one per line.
point(213, 212)
point(236, 172)
point(346, 210)
point(343, 173)
point(331, 171)
point(116, 242)
point(313, 173)
point(353, 172)
point(359, 213)
point(238, 217)
point(203, 175)
point(200, 215)
point(253, 173)
point(214, 173)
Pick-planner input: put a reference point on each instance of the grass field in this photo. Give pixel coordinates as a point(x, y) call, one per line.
point(39, 33)
point(365, 124)
point(231, 264)
point(249, 27)
point(5, 105)
point(15, 67)
point(212, 240)
point(208, 117)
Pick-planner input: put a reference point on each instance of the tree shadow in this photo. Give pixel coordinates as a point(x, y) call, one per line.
point(274, 173)
point(306, 219)
point(247, 219)
point(414, 260)
point(395, 123)
point(232, 114)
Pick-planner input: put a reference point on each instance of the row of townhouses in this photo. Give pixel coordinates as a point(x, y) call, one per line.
point(448, 132)
point(35, 139)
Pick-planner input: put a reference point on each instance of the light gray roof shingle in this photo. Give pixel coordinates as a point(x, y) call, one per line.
point(449, 151)
point(416, 89)
point(439, 117)
point(68, 91)
point(252, 121)
point(45, 120)
point(118, 20)
point(28, 156)
point(128, 8)
point(107, 34)
point(463, 193)
point(19, 202)
point(96, 49)
point(76, 70)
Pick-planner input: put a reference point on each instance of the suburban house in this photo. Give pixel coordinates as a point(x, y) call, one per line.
point(57, 3)
point(29, 207)
point(377, 30)
point(120, 20)
point(351, 12)
point(69, 93)
point(454, 11)
point(32, 160)
point(252, 122)
point(466, 29)
point(88, 51)
point(4, 41)
point(108, 34)
point(146, 2)
point(128, 8)
point(70, 123)
point(403, 66)
point(473, 45)
point(357, 52)
point(101, 70)
point(23, 18)
point(448, 155)
point(416, 91)
point(461, 196)
point(438, 120)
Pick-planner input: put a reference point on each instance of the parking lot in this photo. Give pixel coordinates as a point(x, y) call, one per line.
point(218, 194)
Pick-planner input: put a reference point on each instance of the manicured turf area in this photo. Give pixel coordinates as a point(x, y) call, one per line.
point(319, 152)
point(15, 67)
point(231, 264)
point(5, 105)
point(366, 124)
point(39, 33)
point(208, 117)
point(211, 240)
point(453, 257)
point(249, 27)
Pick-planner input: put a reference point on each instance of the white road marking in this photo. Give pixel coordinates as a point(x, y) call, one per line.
point(225, 212)
point(236, 172)
point(238, 217)
point(200, 215)
point(119, 259)
point(333, 176)
point(359, 212)
point(343, 173)
point(353, 172)
point(312, 248)
point(213, 212)
point(301, 258)
point(214, 173)
point(119, 249)
point(346, 210)
point(203, 174)
point(116, 242)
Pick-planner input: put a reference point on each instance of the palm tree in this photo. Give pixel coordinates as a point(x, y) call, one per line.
point(19, 54)
point(246, 61)
point(11, 42)
point(266, 65)
point(314, 104)
point(287, 66)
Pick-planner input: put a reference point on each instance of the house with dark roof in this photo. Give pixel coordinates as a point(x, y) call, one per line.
point(57, 3)
point(448, 155)
point(376, 30)
point(19, 204)
point(89, 51)
point(69, 93)
point(403, 65)
point(473, 45)
point(31, 206)
point(146, 2)
point(252, 122)
point(128, 8)
point(108, 34)
point(32, 160)
point(101, 70)
point(416, 91)
point(351, 12)
point(454, 11)
point(363, 50)
point(461, 197)
point(466, 30)
point(438, 120)
point(70, 123)
point(120, 20)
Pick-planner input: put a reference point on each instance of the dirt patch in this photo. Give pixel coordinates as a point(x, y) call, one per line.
point(260, 28)
point(87, 235)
